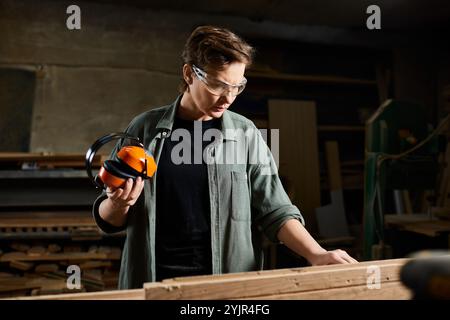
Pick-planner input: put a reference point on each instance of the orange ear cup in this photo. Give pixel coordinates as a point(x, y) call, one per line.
point(110, 180)
point(130, 162)
point(136, 158)
point(133, 161)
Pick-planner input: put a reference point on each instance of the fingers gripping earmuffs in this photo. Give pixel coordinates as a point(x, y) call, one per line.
point(130, 162)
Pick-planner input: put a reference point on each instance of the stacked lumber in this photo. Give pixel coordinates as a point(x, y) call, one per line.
point(48, 160)
point(36, 268)
point(37, 247)
point(74, 225)
point(320, 282)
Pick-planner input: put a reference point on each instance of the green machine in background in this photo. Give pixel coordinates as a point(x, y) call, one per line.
point(401, 154)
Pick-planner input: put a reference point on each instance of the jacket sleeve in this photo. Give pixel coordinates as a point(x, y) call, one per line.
point(270, 202)
point(102, 224)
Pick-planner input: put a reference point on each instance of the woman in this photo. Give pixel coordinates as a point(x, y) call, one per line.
point(204, 216)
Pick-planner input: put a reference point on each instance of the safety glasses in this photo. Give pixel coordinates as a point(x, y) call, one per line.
point(218, 87)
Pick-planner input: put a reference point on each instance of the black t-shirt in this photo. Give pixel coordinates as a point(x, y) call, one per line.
point(183, 222)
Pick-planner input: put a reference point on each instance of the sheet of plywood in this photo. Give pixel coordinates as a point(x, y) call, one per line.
point(299, 158)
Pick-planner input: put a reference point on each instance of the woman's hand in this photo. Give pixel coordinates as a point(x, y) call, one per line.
point(124, 198)
point(294, 235)
point(114, 209)
point(331, 257)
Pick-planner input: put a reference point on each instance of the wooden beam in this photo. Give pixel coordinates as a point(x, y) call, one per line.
point(20, 256)
point(51, 159)
point(289, 282)
point(393, 290)
point(284, 271)
point(35, 219)
point(133, 294)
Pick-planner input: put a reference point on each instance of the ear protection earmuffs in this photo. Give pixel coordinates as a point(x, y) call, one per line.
point(130, 162)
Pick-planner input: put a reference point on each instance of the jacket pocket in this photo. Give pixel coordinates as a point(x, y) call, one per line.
point(240, 197)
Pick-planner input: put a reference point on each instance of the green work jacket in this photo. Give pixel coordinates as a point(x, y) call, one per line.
point(247, 198)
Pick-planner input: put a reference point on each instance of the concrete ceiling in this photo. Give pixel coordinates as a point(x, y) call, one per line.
point(395, 14)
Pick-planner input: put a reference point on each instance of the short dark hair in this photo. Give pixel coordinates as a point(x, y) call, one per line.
point(210, 47)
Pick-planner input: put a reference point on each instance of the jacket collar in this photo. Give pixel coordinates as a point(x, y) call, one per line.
point(165, 124)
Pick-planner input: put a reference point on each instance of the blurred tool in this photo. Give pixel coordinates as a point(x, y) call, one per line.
point(428, 275)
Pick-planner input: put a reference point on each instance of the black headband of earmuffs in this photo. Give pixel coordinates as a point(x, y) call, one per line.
point(100, 143)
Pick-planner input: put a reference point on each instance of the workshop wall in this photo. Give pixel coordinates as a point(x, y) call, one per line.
point(88, 82)
point(126, 60)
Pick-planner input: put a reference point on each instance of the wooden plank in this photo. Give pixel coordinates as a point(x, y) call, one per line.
point(21, 265)
point(37, 251)
point(37, 283)
point(418, 223)
point(20, 256)
point(36, 219)
point(394, 290)
point(133, 294)
point(53, 248)
point(305, 279)
point(51, 159)
point(47, 267)
point(299, 157)
point(333, 165)
point(6, 289)
point(429, 228)
point(5, 275)
point(284, 271)
point(22, 247)
point(92, 264)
